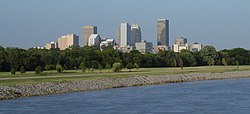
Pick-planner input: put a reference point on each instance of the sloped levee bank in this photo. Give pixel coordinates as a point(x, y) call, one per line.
point(27, 90)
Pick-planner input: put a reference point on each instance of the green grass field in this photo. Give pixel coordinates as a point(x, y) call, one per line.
point(6, 78)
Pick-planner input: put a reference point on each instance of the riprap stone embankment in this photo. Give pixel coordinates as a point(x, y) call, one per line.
point(27, 90)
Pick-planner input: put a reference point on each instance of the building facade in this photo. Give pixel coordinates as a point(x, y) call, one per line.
point(182, 44)
point(196, 47)
point(180, 40)
point(163, 32)
point(124, 49)
point(51, 45)
point(179, 47)
point(144, 46)
point(67, 41)
point(135, 34)
point(107, 43)
point(94, 40)
point(87, 31)
point(123, 36)
point(161, 48)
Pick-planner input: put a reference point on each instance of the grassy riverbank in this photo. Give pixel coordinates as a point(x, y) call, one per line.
point(71, 75)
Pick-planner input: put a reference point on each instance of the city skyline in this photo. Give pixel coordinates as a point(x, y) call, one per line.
point(223, 24)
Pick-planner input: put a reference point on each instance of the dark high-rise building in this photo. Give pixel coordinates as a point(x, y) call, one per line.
point(162, 32)
point(87, 31)
point(135, 34)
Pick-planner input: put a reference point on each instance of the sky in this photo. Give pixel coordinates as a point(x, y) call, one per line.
point(224, 24)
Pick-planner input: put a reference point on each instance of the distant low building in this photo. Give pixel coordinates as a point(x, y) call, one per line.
point(94, 40)
point(182, 44)
point(108, 42)
point(179, 47)
point(51, 45)
point(161, 48)
point(104, 39)
point(144, 46)
point(196, 47)
point(39, 47)
point(67, 41)
point(125, 49)
point(180, 40)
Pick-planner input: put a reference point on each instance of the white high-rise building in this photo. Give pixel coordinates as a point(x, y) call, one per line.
point(124, 35)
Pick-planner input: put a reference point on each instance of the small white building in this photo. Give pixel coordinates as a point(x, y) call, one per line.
point(94, 40)
point(179, 47)
point(107, 43)
point(39, 47)
point(104, 43)
point(196, 47)
point(51, 45)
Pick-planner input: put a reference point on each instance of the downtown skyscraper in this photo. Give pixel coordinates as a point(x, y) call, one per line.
point(163, 32)
point(87, 31)
point(135, 34)
point(128, 35)
point(123, 35)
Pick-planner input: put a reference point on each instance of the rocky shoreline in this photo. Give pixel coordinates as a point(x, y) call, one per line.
point(27, 90)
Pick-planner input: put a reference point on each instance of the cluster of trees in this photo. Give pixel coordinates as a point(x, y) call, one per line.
point(87, 58)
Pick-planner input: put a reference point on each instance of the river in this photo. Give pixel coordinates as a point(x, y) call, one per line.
point(217, 96)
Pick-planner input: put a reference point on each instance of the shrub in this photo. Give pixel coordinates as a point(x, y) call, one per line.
point(117, 67)
point(108, 66)
point(82, 67)
point(136, 66)
point(100, 67)
point(49, 67)
point(180, 62)
point(59, 68)
point(22, 70)
point(237, 64)
point(92, 70)
point(13, 71)
point(224, 62)
point(130, 66)
point(38, 70)
point(211, 62)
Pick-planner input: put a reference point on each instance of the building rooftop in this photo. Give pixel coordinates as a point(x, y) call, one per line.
point(161, 19)
point(89, 26)
point(110, 40)
point(93, 36)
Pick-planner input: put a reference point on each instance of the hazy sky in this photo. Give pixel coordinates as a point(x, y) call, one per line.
point(222, 23)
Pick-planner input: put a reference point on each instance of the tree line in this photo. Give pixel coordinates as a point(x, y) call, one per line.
point(93, 58)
